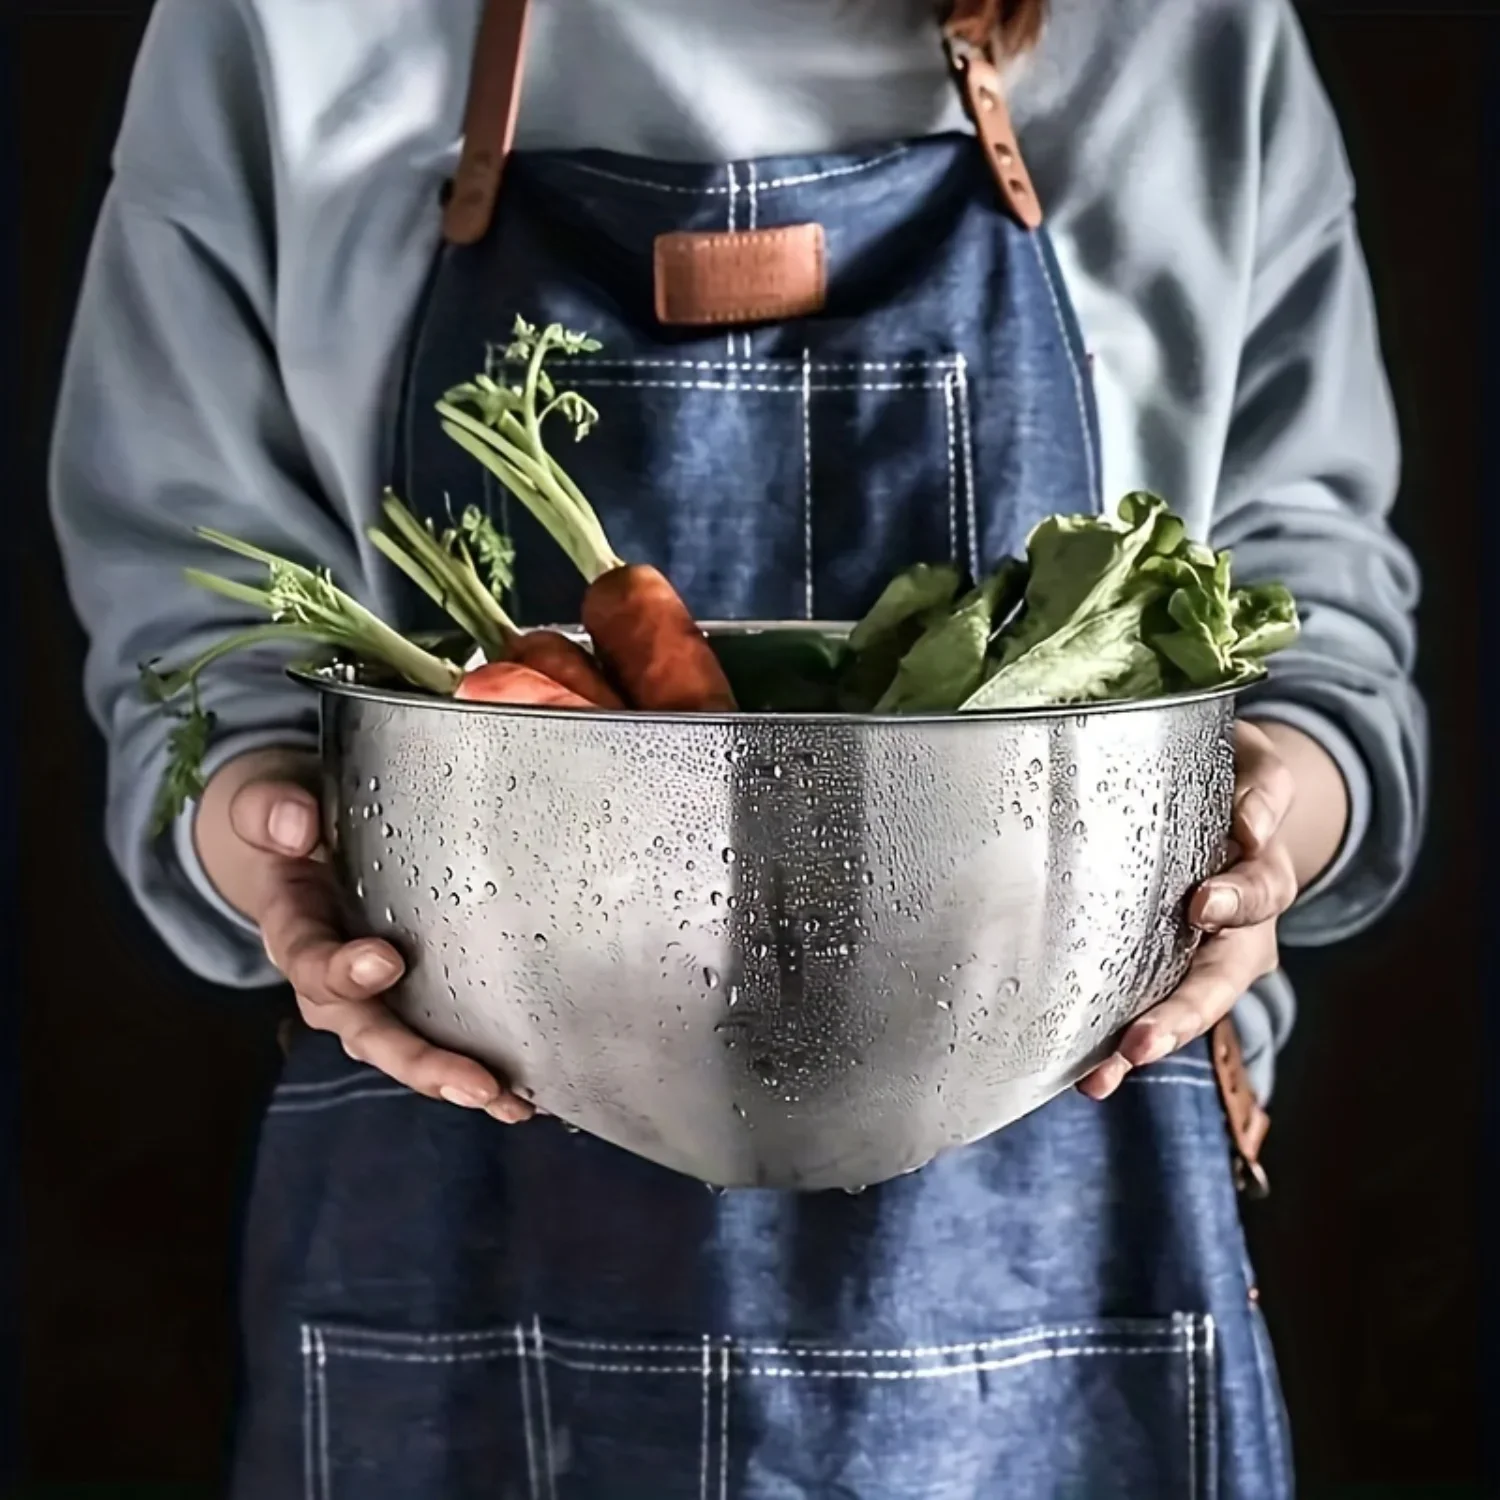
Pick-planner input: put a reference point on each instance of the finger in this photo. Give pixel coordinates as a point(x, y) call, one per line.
point(277, 816)
point(370, 1034)
point(1253, 891)
point(1224, 969)
point(1264, 789)
point(301, 926)
point(1106, 1078)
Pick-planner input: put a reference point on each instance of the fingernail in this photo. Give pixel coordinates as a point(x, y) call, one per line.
point(1221, 905)
point(292, 826)
point(464, 1098)
point(1147, 1044)
point(509, 1110)
point(372, 970)
point(1256, 814)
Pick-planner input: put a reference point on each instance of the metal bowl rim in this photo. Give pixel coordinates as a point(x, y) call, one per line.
point(403, 698)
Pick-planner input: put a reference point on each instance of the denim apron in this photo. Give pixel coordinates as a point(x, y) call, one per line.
point(442, 1308)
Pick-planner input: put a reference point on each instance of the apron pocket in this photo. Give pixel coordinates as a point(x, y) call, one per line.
point(1107, 1410)
point(769, 488)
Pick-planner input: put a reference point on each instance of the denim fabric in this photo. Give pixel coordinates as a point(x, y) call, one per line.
point(439, 1308)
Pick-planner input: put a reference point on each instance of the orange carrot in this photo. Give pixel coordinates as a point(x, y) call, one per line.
point(509, 682)
point(649, 640)
point(645, 635)
point(566, 662)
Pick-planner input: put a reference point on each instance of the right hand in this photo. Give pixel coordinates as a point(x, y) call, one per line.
point(257, 834)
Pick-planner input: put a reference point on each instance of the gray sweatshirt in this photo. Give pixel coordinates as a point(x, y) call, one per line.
point(272, 217)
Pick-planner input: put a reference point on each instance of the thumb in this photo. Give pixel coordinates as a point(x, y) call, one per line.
point(279, 817)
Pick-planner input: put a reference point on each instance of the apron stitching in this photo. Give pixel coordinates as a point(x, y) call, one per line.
point(807, 518)
point(913, 1351)
point(724, 1372)
point(365, 1075)
point(325, 1478)
point(966, 432)
point(951, 423)
point(1181, 1083)
point(703, 1443)
point(309, 1473)
point(1211, 1386)
point(546, 1403)
point(733, 192)
point(312, 1106)
point(1079, 399)
point(915, 363)
point(1190, 1346)
point(420, 1357)
point(519, 1334)
point(712, 190)
point(592, 383)
point(974, 1367)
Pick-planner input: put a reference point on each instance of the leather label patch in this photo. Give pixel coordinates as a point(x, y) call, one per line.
point(740, 276)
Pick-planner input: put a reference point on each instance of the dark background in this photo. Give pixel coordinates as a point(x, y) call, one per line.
point(141, 1088)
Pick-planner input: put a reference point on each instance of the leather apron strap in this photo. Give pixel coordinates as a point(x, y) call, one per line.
point(489, 120)
point(969, 36)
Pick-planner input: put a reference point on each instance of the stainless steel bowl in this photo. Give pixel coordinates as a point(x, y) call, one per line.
point(781, 951)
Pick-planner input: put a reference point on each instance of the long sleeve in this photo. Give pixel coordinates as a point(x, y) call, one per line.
point(172, 415)
point(1310, 474)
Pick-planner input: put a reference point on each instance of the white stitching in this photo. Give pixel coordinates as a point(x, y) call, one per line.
point(327, 1084)
point(712, 190)
point(805, 385)
point(325, 1475)
point(1079, 399)
point(309, 1476)
point(546, 1395)
point(1190, 1345)
point(504, 1342)
point(979, 1366)
point(1181, 1083)
point(724, 1371)
point(312, 1106)
point(952, 434)
point(1211, 1385)
point(807, 483)
point(703, 1442)
point(1150, 1326)
point(915, 362)
point(523, 1377)
point(966, 430)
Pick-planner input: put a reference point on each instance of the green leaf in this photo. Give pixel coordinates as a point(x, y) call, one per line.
point(947, 662)
point(1085, 565)
point(911, 593)
point(781, 671)
point(1094, 658)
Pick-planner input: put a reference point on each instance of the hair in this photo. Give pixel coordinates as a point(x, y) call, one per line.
point(1020, 24)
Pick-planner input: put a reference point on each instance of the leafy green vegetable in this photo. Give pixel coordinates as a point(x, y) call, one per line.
point(910, 595)
point(304, 604)
point(782, 671)
point(1129, 607)
point(947, 662)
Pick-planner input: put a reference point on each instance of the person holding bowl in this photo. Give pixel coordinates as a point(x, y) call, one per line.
point(880, 280)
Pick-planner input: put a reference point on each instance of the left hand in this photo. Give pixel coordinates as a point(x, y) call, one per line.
point(1237, 913)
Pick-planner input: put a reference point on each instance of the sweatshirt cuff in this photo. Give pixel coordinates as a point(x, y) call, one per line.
point(186, 849)
point(1342, 751)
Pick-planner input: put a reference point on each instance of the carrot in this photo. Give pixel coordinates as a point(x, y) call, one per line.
point(643, 631)
point(566, 662)
point(446, 567)
point(652, 644)
point(509, 682)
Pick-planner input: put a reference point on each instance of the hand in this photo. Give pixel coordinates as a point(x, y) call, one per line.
point(1236, 911)
point(257, 833)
